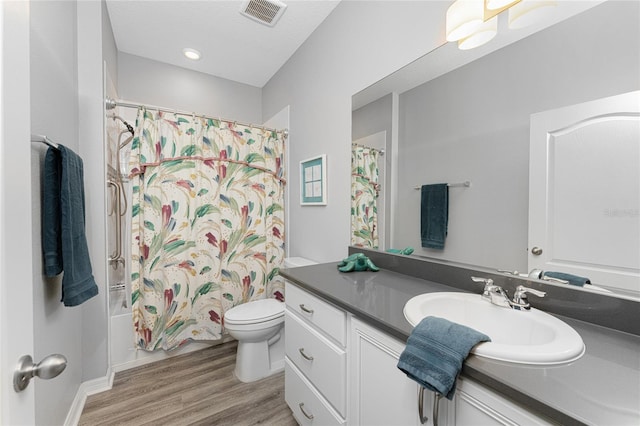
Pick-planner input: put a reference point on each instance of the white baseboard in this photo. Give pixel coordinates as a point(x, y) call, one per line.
point(85, 389)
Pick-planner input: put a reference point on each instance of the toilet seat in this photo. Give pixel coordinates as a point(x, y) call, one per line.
point(258, 311)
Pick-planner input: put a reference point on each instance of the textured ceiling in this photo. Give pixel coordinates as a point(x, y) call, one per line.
point(232, 46)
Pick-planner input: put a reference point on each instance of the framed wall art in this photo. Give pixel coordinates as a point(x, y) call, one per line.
point(313, 181)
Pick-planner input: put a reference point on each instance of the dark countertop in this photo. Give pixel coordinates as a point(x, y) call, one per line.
point(601, 388)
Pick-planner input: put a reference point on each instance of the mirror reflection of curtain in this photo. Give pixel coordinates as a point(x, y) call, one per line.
point(364, 194)
point(207, 224)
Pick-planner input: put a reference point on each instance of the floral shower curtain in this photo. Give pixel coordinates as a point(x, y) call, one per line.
point(207, 224)
point(364, 195)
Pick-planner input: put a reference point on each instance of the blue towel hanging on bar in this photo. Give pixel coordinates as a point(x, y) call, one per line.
point(435, 352)
point(434, 215)
point(64, 240)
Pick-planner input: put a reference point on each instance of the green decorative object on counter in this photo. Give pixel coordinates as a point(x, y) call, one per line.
point(406, 251)
point(357, 262)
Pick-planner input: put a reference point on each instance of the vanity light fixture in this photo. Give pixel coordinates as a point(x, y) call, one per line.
point(463, 18)
point(485, 32)
point(192, 54)
point(473, 23)
point(527, 12)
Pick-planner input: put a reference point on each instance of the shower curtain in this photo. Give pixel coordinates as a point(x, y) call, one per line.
point(364, 195)
point(207, 224)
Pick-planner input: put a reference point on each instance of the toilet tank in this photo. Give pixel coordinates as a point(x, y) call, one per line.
point(294, 262)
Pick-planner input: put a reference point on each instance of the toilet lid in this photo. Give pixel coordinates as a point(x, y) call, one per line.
point(256, 311)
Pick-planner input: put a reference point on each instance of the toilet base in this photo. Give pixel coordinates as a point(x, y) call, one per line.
point(257, 360)
point(248, 378)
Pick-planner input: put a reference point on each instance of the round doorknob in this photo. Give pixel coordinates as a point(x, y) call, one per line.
point(536, 251)
point(26, 370)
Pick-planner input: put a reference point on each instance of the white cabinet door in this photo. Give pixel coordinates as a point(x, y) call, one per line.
point(381, 394)
point(584, 191)
point(477, 406)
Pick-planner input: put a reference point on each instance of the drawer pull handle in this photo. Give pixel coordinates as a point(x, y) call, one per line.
point(309, 416)
point(305, 309)
point(305, 356)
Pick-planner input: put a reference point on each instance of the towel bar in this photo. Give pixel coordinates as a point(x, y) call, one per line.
point(465, 184)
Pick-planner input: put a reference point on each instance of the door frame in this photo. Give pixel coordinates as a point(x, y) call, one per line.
point(16, 294)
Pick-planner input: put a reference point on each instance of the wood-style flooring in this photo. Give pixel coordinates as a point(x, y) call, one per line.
point(198, 388)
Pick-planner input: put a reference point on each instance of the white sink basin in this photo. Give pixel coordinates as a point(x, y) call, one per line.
point(526, 337)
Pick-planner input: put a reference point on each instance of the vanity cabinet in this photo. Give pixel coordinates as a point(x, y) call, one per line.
point(340, 370)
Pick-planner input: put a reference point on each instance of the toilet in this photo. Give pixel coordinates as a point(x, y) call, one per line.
point(258, 327)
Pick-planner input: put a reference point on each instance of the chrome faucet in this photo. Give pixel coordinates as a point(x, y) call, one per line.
point(493, 293)
point(499, 296)
point(520, 300)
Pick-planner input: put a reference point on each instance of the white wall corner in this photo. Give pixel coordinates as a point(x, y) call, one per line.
point(90, 387)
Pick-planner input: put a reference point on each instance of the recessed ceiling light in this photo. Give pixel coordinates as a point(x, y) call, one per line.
point(192, 54)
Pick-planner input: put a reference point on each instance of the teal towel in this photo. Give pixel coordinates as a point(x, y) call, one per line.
point(51, 235)
point(63, 220)
point(434, 215)
point(435, 352)
point(573, 279)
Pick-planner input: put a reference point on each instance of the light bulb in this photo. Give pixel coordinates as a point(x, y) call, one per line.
point(192, 54)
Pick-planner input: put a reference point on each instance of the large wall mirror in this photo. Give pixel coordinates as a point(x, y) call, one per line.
point(467, 117)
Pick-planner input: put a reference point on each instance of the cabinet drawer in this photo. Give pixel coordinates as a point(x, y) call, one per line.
point(305, 401)
point(322, 362)
point(328, 318)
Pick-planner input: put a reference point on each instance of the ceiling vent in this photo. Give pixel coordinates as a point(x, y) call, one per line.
point(264, 11)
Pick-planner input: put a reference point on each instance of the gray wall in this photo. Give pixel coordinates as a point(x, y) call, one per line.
point(473, 124)
point(156, 83)
point(54, 112)
point(358, 44)
point(372, 118)
point(109, 48)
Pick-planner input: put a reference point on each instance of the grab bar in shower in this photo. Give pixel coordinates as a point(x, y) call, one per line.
point(117, 256)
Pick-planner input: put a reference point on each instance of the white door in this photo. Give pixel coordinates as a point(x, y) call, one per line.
point(584, 191)
point(16, 299)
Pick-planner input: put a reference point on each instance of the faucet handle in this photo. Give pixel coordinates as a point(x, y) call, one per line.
point(555, 280)
point(520, 290)
point(509, 272)
point(520, 296)
point(485, 281)
point(488, 286)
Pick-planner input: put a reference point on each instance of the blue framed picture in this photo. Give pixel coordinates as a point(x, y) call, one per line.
point(313, 181)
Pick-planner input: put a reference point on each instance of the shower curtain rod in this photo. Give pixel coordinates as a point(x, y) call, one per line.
point(380, 151)
point(111, 104)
